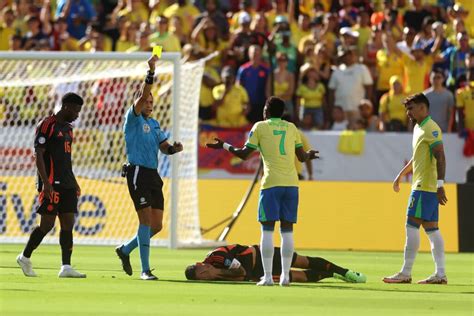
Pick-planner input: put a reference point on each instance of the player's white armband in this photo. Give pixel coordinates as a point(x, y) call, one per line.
point(235, 264)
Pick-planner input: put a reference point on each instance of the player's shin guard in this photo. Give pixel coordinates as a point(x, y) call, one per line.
point(266, 250)
point(144, 245)
point(287, 249)
point(322, 265)
point(315, 276)
point(35, 239)
point(65, 240)
point(437, 250)
point(411, 246)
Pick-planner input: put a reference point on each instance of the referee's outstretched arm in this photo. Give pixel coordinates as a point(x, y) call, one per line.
point(146, 88)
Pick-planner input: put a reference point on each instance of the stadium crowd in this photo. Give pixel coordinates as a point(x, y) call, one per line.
point(337, 64)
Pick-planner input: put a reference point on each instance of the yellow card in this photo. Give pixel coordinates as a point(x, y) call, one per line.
point(157, 50)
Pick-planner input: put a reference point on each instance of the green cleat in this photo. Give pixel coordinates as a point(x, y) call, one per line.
point(351, 277)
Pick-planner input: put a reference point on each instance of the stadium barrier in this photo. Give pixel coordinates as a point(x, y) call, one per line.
point(331, 215)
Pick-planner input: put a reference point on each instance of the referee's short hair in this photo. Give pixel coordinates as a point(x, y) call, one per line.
point(417, 98)
point(71, 98)
point(276, 106)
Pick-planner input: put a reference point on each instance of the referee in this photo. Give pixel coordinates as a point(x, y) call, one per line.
point(143, 137)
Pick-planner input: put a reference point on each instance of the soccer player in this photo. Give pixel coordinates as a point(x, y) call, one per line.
point(278, 141)
point(56, 184)
point(429, 165)
point(244, 263)
point(143, 137)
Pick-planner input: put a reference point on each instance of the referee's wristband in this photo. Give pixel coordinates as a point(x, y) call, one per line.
point(439, 184)
point(227, 146)
point(149, 77)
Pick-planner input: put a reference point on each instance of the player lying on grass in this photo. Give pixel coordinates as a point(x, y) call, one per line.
point(244, 263)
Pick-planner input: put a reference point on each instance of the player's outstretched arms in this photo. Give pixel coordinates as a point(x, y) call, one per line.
point(146, 87)
point(406, 170)
point(306, 155)
point(168, 149)
point(242, 153)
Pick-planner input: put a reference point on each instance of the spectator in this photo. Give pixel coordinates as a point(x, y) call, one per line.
point(340, 122)
point(408, 40)
point(142, 43)
point(369, 55)
point(363, 29)
point(279, 8)
point(16, 43)
point(7, 29)
point(94, 33)
point(21, 11)
point(349, 37)
point(246, 8)
point(259, 24)
point(416, 68)
point(392, 110)
point(389, 63)
point(465, 96)
point(244, 37)
point(176, 28)
point(60, 38)
point(349, 83)
point(303, 29)
point(127, 37)
point(441, 101)
point(187, 12)
point(254, 77)
point(162, 37)
point(414, 17)
point(370, 121)
point(133, 10)
point(310, 95)
point(157, 9)
point(348, 14)
point(205, 35)
point(284, 84)
point(34, 33)
point(78, 13)
point(212, 11)
point(456, 56)
point(281, 38)
point(231, 101)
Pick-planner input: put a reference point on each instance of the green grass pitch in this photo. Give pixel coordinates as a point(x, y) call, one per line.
point(108, 291)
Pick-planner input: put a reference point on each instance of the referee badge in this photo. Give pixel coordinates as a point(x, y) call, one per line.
point(146, 128)
point(42, 140)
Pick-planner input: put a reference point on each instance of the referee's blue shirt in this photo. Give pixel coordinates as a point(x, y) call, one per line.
point(142, 139)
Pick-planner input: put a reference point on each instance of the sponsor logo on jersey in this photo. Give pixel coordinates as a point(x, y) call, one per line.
point(435, 134)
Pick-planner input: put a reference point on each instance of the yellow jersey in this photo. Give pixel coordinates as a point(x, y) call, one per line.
point(392, 104)
point(388, 66)
point(426, 135)
point(416, 73)
point(465, 100)
point(311, 98)
point(231, 112)
point(277, 140)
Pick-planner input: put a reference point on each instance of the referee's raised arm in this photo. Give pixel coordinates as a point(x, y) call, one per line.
point(140, 103)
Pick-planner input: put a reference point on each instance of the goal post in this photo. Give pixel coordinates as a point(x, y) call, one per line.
point(31, 85)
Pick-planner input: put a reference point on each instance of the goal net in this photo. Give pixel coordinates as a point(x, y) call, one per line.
point(31, 87)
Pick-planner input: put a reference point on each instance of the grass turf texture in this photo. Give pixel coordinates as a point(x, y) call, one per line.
point(108, 291)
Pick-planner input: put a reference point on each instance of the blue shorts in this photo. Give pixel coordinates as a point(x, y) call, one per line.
point(278, 204)
point(424, 205)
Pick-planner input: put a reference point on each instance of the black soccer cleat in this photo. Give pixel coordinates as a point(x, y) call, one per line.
point(148, 276)
point(126, 266)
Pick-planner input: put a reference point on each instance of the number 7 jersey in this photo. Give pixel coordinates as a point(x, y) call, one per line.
point(276, 139)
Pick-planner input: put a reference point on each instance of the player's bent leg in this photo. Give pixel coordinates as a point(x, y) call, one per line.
point(267, 250)
point(37, 235)
point(437, 251)
point(66, 241)
point(310, 276)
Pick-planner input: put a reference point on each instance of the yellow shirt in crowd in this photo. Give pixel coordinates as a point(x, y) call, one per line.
point(231, 112)
point(465, 100)
point(311, 98)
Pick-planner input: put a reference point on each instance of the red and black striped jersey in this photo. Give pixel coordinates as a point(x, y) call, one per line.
point(222, 258)
point(56, 138)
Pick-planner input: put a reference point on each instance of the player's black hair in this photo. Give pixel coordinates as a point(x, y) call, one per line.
point(276, 106)
point(190, 272)
point(72, 98)
point(417, 98)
